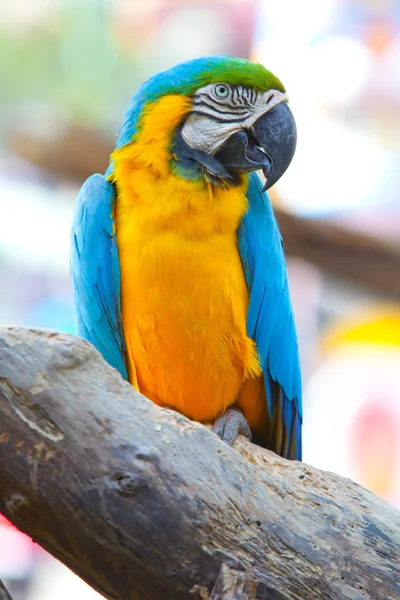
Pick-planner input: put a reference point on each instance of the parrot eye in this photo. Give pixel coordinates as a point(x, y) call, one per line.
point(221, 91)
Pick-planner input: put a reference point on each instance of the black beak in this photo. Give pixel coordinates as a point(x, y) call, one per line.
point(268, 145)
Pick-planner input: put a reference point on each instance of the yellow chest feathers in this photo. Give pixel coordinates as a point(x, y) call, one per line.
point(183, 292)
point(157, 198)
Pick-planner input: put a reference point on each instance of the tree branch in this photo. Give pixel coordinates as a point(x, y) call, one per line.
point(356, 257)
point(230, 585)
point(145, 504)
point(359, 258)
point(4, 595)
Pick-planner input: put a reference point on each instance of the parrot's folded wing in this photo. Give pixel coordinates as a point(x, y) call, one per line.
point(270, 320)
point(95, 271)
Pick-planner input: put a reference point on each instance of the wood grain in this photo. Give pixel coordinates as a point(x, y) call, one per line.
point(145, 504)
point(4, 595)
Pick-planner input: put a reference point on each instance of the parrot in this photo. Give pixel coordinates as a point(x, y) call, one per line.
point(177, 261)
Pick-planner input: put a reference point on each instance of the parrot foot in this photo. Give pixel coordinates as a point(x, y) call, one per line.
point(230, 424)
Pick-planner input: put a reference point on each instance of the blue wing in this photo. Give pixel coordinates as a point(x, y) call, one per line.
point(95, 271)
point(270, 321)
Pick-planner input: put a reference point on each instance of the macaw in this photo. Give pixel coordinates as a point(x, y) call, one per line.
point(177, 260)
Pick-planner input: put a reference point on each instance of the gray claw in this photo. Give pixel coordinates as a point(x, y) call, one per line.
point(230, 424)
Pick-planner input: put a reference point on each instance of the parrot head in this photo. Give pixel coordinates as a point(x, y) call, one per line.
point(236, 120)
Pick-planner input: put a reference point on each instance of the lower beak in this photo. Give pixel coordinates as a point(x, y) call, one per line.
point(268, 145)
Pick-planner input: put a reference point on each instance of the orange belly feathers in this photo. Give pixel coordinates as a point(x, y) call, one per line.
point(184, 297)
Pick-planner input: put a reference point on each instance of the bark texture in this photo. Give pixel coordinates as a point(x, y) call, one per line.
point(4, 595)
point(145, 504)
point(230, 585)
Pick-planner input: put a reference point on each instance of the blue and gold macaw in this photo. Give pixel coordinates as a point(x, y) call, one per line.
point(177, 260)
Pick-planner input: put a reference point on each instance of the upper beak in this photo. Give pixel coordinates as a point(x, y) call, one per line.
point(268, 145)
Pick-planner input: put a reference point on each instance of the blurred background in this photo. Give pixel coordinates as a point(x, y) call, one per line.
point(67, 71)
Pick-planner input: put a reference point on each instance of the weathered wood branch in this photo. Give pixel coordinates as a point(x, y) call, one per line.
point(145, 504)
point(4, 595)
point(355, 257)
point(231, 584)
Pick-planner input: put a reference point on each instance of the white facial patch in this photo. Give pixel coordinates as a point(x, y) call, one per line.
point(220, 110)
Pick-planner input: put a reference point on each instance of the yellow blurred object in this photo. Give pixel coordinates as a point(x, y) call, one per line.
point(379, 327)
point(356, 391)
